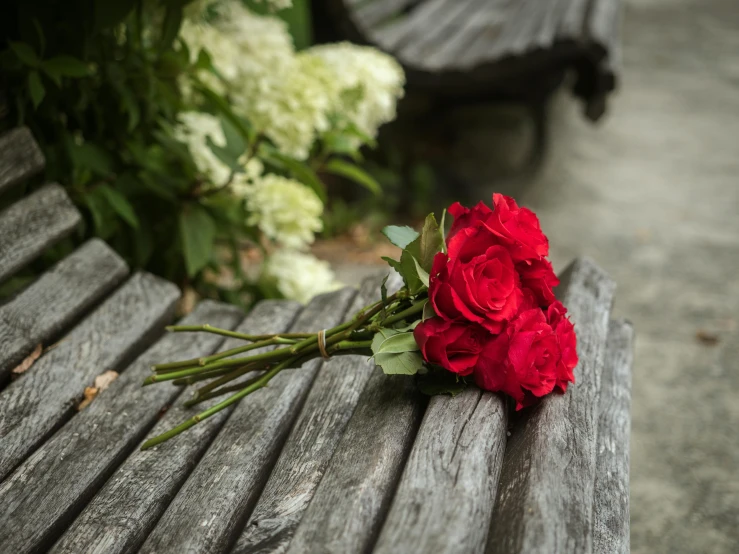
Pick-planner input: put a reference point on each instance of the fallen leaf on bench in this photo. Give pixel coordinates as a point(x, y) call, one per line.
point(707, 337)
point(101, 383)
point(26, 364)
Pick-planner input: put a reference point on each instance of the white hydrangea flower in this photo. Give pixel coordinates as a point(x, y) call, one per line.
point(242, 182)
point(194, 130)
point(276, 5)
point(300, 276)
point(285, 210)
point(289, 102)
point(371, 83)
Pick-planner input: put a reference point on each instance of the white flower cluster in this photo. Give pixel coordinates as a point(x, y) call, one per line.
point(276, 5)
point(194, 130)
point(285, 210)
point(370, 83)
point(300, 276)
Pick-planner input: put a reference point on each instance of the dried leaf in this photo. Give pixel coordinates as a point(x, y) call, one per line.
point(104, 380)
point(26, 364)
point(101, 383)
point(90, 394)
point(706, 337)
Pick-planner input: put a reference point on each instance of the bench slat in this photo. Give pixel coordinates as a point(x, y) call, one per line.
point(55, 483)
point(140, 490)
point(369, 14)
point(312, 442)
point(34, 406)
point(352, 499)
point(33, 224)
point(20, 157)
point(211, 508)
point(545, 495)
point(445, 498)
point(611, 507)
point(56, 300)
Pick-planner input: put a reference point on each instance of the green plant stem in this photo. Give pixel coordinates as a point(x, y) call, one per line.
point(400, 316)
point(233, 334)
point(184, 426)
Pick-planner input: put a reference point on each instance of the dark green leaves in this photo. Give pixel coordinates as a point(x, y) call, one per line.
point(400, 236)
point(418, 254)
point(120, 205)
point(64, 66)
point(298, 169)
point(25, 53)
point(353, 173)
point(198, 233)
point(36, 88)
point(396, 352)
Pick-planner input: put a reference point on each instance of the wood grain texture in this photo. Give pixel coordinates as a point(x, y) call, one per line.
point(123, 513)
point(545, 495)
point(352, 499)
point(611, 503)
point(312, 442)
point(20, 157)
point(445, 497)
point(32, 224)
point(45, 493)
point(57, 299)
point(34, 406)
point(211, 508)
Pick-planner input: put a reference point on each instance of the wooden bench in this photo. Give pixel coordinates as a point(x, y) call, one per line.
point(333, 457)
point(484, 48)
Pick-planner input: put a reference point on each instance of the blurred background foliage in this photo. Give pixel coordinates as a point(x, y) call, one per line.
point(172, 128)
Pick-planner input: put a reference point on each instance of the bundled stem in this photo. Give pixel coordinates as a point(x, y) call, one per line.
point(222, 369)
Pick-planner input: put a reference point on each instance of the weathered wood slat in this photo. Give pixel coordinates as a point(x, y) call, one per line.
point(545, 495)
point(352, 499)
point(20, 157)
point(56, 300)
point(213, 504)
point(45, 493)
point(32, 224)
point(123, 513)
point(369, 14)
point(312, 442)
point(400, 32)
point(33, 407)
point(611, 504)
point(445, 498)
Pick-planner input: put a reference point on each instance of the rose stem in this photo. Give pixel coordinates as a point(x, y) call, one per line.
point(233, 334)
point(258, 384)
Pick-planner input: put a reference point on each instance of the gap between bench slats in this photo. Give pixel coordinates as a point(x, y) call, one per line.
point(35, 405)
point(20, 157)
point(212, 506)
point(33, 224)
point(56, 300)
point(312, 441)
point(350, 503)
point(54, 484)
point(445, 497)
point(611, 503)
point(143, 486)
point(545, 494)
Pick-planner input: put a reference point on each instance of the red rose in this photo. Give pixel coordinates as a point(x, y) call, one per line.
point(524, 359)
point(454, 346)
point(476, 283)
point(464, 217)
point(565, 333)
point(538, 276)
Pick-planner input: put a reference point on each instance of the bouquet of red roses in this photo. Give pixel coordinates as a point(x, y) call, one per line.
point(476, 305)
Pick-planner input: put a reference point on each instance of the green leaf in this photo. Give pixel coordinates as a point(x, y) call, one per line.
point(443, 231)
point(383, 295)
point(428, 244)
point(353, 173)
point(381, 336)
point(91, 156)
point(404, 363)
point(120, 205)
point(395, 264)
point(409, 267)
point(299, 170)
point(25, 53)
point(171, 25)
point(66, 66)
point(36, 88)
point(235, 142)
point(428, 312)
point(397, 343)
point(223, 154)
point(198, 233)
point(422, 274)
point(400, 236)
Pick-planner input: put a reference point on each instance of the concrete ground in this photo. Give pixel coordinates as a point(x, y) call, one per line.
point(652, 194)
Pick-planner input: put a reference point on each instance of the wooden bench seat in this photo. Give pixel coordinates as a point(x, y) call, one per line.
point(331, 457)
point(518, 48)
